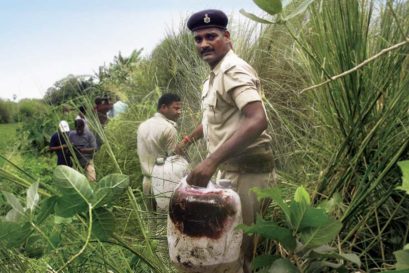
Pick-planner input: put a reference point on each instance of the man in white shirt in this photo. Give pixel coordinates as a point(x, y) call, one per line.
point(157, 137)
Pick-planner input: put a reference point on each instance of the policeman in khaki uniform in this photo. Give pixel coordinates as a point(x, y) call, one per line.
point(157, 137)
point(233, 123)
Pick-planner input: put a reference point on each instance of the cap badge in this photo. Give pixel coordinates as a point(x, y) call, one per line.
point(206, 19)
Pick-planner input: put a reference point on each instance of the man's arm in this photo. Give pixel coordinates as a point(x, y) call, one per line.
point(182, 146)
point(57, 148)
point(55, 144)
point(251, 127)
point(87, 150)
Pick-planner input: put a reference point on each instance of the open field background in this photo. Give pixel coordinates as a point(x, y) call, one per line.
point(8, 135)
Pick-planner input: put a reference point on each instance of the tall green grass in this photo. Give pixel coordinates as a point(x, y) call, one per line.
point(361, 120)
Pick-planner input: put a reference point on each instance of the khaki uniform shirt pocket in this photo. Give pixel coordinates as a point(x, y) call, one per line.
point(209, 105)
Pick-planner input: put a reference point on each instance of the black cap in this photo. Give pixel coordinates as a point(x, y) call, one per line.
point(206, 19)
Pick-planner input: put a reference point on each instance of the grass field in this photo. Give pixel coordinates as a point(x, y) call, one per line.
point(7, 136)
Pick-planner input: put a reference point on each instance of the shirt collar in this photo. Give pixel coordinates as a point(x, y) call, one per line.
point(218, 67)
point(159, 115)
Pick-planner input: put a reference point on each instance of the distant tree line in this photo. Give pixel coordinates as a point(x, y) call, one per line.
point(111, 79)
point(11, 111)
point(69, 88)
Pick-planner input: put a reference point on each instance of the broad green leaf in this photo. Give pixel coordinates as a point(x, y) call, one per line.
point(58, 220)
point(404, 167)
point(301, 214)
point(69, 205)
point(6, 228)
point(328, 252)
point(314, 217)
point(13, 216)
point(262, 261)
point(270, 6)
point(324, 249)
point(69, 180)
point(304, 216)
point(271, 230)
point(76, 193)
point(103, 224)
point(255, 17)
point(331, 204)
point(402, 259)
point(13, 233)
point(32, 197)
point(350, 257)
point(322, 235)
point(55, 239)
point(14, 202)
point(297, 213)
point(301, 195)
point(300, 9)
point(110, 188)
point(275, 194)
point(283, 266)
point(46, 209)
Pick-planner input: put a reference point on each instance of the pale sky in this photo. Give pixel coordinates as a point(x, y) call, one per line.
point(43, 41)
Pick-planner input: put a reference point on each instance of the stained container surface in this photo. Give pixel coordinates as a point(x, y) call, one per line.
point(201, 227)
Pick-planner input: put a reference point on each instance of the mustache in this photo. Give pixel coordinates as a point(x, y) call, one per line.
point(206, 50)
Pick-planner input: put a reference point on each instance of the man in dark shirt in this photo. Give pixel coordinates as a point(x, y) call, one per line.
point(84, 143)
point(102, 107)
point(58, 143)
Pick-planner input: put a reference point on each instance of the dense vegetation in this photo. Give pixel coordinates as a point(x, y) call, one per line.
point(341, 140)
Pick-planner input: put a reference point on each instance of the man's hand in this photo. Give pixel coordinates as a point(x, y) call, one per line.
point(201, 174)
point(181, 148)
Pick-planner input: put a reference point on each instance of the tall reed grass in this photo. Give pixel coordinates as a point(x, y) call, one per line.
point(361, 120)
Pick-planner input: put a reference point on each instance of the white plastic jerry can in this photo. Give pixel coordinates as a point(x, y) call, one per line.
point(166, 175)
point(201, 228)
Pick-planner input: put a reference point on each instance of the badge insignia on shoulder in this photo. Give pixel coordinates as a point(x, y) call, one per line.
point(206, 19)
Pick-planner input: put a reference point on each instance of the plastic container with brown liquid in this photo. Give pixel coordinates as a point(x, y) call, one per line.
point(201, 227)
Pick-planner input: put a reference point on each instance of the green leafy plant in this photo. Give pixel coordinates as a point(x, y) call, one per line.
point(279, 9)
point(74, 197)
point(305, 237)
point(35, 130)
point(15, 226)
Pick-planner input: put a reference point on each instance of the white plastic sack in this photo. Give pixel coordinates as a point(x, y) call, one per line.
point(166, 176)
point(201, 227)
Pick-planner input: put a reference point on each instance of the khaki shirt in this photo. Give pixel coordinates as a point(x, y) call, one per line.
point(231, 85)
point(156, 137)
